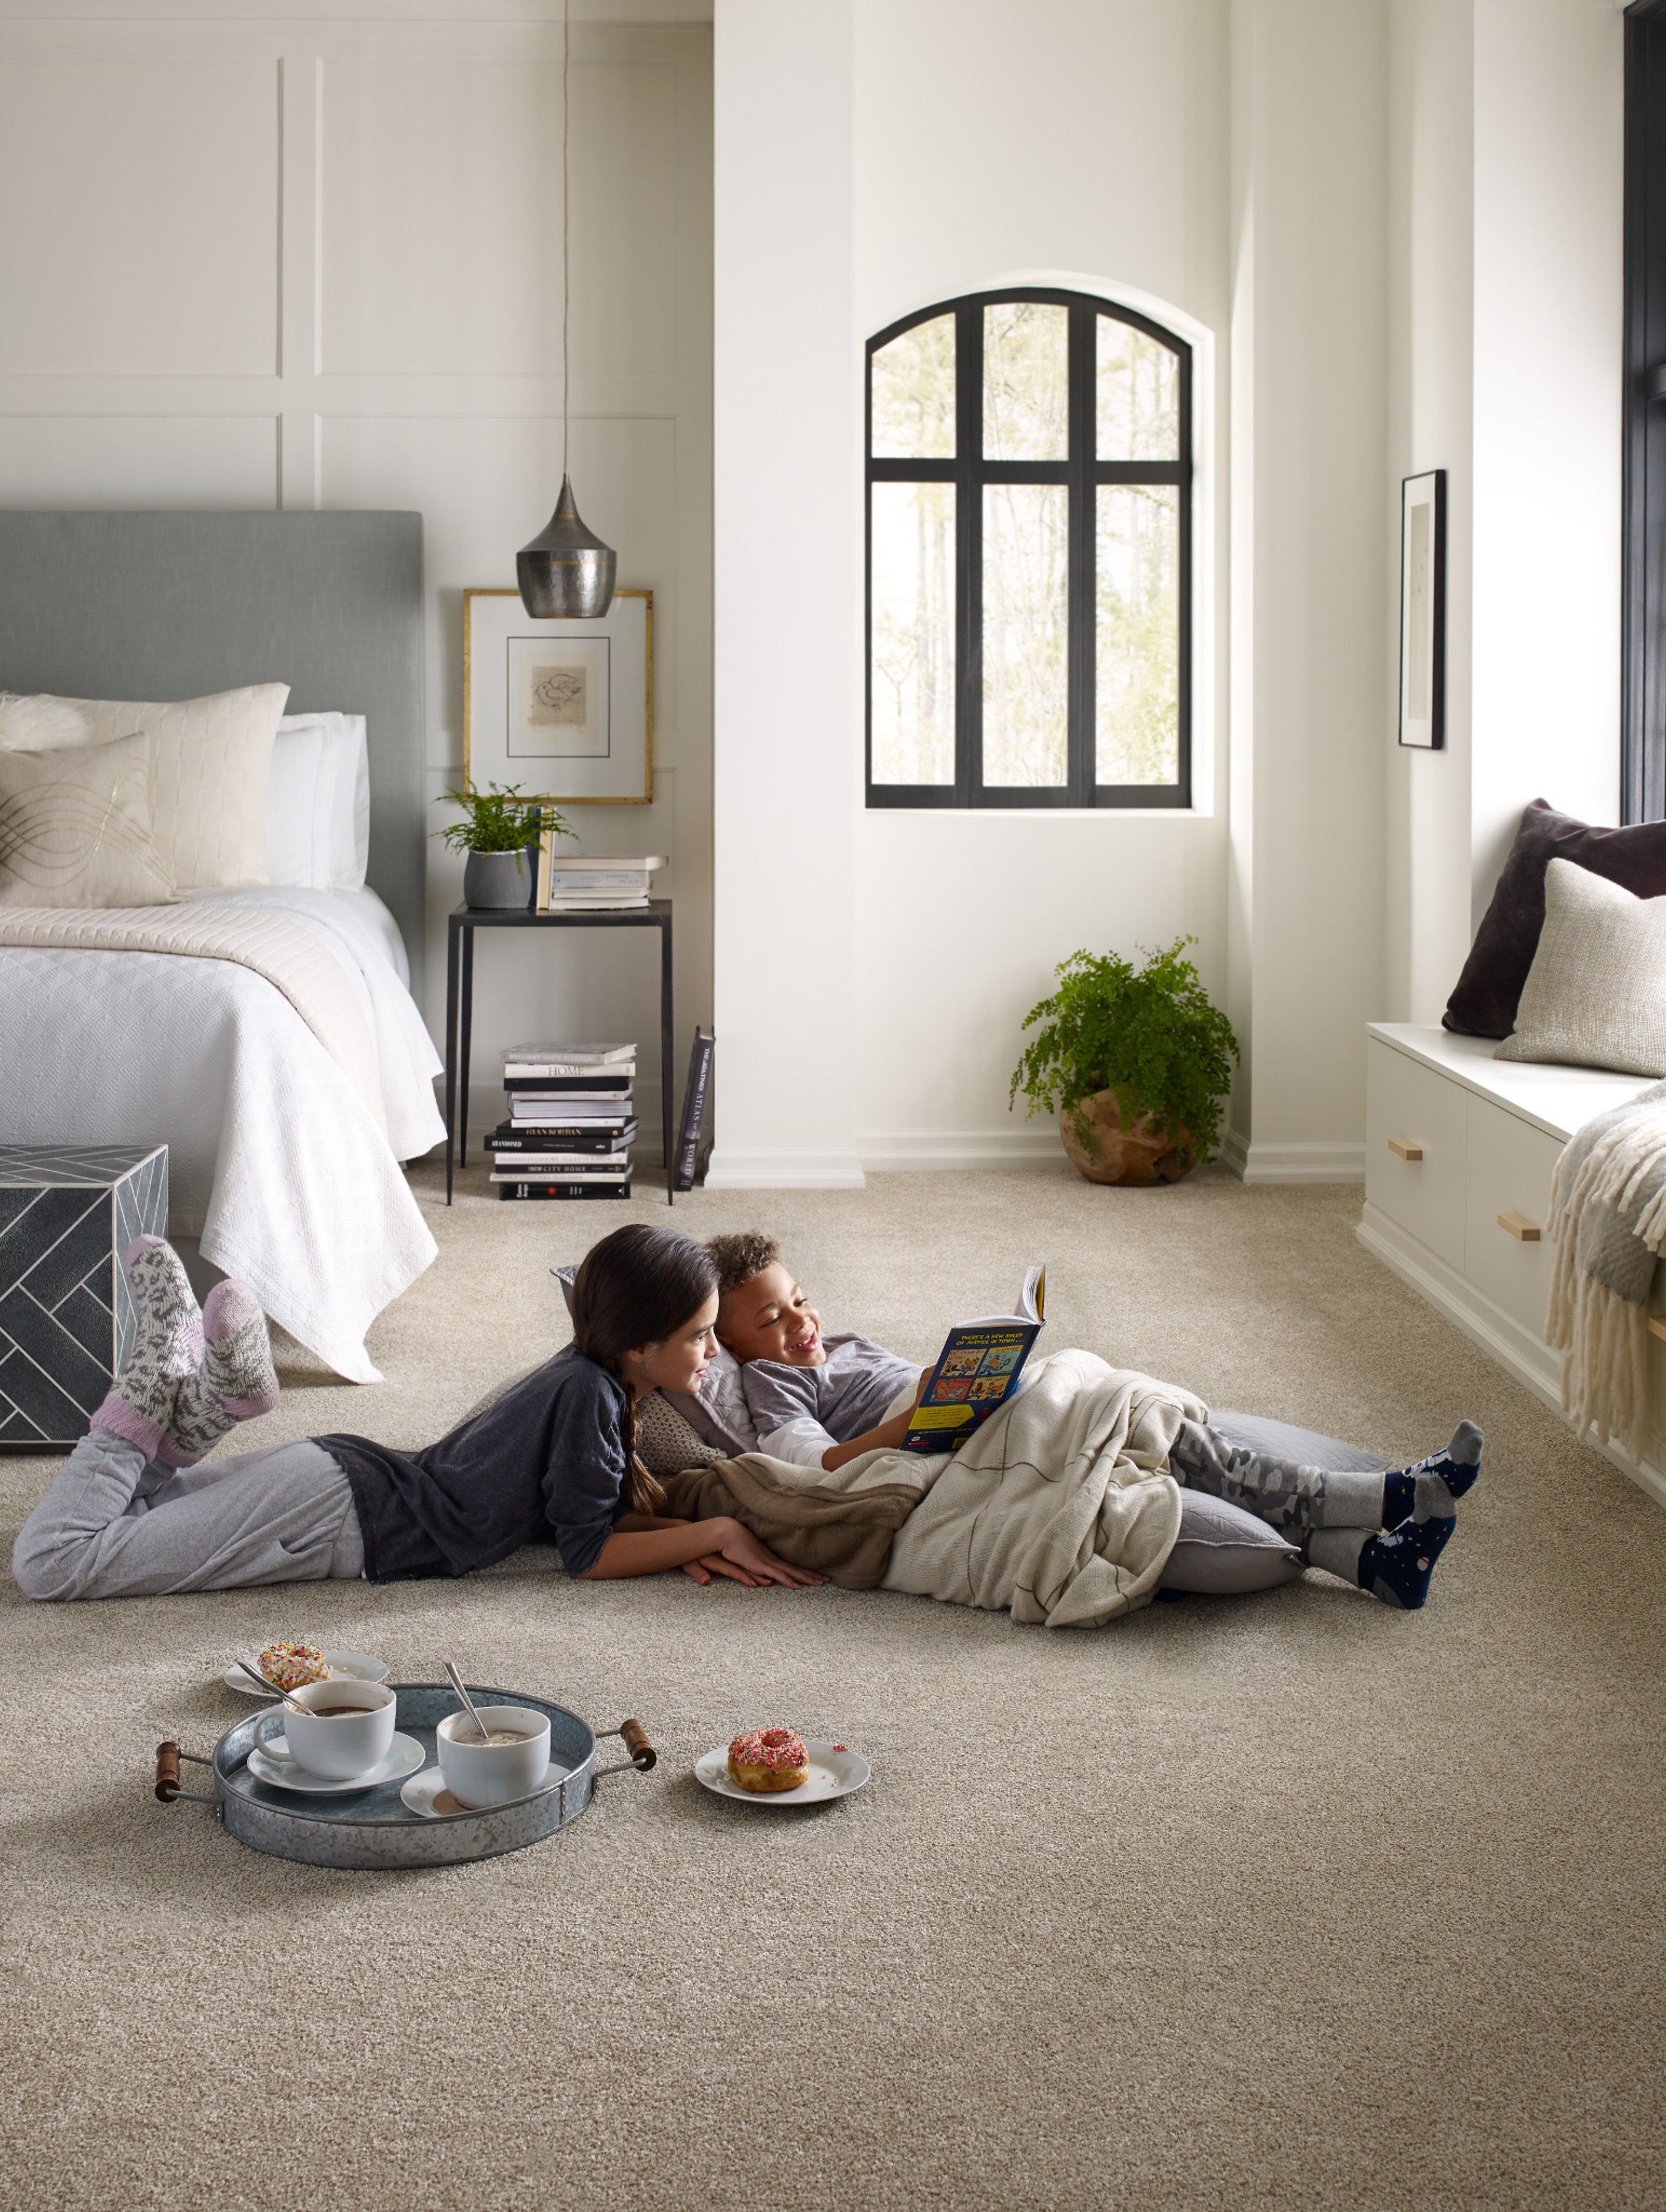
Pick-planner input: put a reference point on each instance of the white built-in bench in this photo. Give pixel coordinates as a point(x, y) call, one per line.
point(1459, 1151)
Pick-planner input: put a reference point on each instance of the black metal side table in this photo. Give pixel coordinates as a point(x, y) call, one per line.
point(459, 997)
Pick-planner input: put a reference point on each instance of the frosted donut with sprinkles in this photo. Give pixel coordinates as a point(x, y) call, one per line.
point(765, 1759)
point(288, 1665)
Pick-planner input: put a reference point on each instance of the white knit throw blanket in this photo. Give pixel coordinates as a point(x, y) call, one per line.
point(1608, 1222)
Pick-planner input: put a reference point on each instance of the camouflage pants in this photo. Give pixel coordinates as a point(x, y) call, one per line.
point(1276, 1491)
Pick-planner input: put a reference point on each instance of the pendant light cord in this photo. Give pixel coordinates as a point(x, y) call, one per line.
point(566, 218)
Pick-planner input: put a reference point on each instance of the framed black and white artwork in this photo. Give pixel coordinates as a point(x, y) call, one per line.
point(561, 710)
point(1422, 611)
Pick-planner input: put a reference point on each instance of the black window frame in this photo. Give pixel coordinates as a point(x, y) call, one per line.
point(1083, 472)
point(1643, 648)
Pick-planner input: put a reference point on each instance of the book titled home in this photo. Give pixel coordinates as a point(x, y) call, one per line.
point(977, 1371)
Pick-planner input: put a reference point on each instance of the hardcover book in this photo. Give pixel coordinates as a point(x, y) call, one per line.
point(977, 1370)
point(602, 1190)
point(694, 1110)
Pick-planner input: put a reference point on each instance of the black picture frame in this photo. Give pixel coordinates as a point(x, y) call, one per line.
point(1082, 472)
point(1422, 611)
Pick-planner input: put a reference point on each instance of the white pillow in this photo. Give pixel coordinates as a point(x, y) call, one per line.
point(212, 769)
point(1595, 995)
point(317, 817)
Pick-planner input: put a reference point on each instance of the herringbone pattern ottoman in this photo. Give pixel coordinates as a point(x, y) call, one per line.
point(67, 1214)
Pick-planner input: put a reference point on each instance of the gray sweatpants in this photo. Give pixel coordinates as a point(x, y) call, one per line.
point(111, 1525)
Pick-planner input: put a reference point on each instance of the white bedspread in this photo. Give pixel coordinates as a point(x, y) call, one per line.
point(275, 1161)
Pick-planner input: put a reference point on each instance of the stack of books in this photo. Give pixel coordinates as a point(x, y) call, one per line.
point(570, 1123)
point(572, 883)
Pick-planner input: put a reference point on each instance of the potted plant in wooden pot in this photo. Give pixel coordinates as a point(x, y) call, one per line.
point(1135, 1061)
point(500, 832)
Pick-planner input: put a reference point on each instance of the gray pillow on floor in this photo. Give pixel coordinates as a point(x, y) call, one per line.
point(1280, 1440)
point(1223, 1552)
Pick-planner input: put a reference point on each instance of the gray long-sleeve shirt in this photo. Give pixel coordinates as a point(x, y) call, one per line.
point(799, 1410)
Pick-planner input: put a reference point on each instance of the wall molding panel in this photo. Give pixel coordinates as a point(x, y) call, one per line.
point(316, 262)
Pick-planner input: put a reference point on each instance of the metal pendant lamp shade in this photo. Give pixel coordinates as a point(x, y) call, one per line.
point(566, 571)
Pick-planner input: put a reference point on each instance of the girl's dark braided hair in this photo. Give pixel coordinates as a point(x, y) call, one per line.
point(636, 1288)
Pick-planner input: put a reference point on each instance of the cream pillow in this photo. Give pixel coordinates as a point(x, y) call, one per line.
point(212, 767)
point(75, 828)
point(1595, 995)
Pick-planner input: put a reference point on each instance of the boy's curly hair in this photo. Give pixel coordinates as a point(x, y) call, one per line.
point(739, 1257)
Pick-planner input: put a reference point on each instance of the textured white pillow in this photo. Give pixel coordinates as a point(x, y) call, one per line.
point(1595, 995)
point(212, 761)
point(75, 829)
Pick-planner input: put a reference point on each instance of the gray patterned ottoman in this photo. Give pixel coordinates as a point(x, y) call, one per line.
point(67, 1214)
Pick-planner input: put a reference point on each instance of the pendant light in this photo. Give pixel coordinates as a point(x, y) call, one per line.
point(566, 572)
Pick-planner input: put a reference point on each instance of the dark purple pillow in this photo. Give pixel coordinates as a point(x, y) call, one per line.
point(1490, 988)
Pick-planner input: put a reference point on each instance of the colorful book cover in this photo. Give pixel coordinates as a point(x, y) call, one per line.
point(977, 1370)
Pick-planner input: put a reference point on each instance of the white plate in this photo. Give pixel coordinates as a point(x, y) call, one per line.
point(358, 1664)
point(274, 1765)
point(420, 1792)
point(833, 1773)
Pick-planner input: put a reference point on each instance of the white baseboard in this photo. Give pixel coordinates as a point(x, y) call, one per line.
point(1314, 1162)
point(1526, 1357)
point(889, 1151)
point(734, 1168)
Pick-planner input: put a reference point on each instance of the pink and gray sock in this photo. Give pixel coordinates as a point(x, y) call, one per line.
point(192, 1374)
point(235, 1382)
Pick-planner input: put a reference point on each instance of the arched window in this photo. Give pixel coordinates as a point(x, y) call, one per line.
point(1029, 555)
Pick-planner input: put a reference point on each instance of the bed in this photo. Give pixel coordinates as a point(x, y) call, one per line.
point(265, 1031)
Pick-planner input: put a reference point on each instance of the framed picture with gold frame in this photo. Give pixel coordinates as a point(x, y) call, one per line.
point(562, 709)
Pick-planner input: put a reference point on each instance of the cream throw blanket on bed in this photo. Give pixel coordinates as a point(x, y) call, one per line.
point(1608, 1222)
point(291, 958)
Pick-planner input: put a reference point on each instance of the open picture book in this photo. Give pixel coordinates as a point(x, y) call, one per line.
point(977, 1370)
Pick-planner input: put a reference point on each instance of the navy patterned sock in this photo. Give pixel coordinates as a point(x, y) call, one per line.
point(1396, 1566)
point(1430, 1491)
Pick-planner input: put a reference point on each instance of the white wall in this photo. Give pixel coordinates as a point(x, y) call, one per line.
point(1507, 133)
point(1080, 143)
point(257, 262)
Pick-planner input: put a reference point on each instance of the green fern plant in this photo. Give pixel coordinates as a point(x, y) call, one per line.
point(497, 820)
point(1149, 1034)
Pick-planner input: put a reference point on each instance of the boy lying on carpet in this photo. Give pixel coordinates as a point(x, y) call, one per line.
point(823, 1401)
point(131, 1514)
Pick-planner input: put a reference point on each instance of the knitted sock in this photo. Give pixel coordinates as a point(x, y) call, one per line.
point(1396, 1566)
point(1430, 1491)
point(167, 1348)
point(235, 1382)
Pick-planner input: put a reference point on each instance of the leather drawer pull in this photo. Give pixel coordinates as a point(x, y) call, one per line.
point(1406, 1151)
point(1524, 1231)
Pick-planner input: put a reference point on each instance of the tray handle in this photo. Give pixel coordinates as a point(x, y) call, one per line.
point(643, 1756)
point(169, 1756)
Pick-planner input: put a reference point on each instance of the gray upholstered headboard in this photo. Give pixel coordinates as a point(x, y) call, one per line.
point(170, 606)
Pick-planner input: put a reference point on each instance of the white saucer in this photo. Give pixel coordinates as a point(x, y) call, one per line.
point(419, 1793)
point(358, 1664)
point(274, 1765)
point(833, 1773)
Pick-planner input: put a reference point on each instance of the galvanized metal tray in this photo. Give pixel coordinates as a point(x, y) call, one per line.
point(374, 1827)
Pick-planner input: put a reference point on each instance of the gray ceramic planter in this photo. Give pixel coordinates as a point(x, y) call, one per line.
point(500, 880)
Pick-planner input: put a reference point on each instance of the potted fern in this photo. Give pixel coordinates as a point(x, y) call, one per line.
point(1135, 1061)
point(500, 832)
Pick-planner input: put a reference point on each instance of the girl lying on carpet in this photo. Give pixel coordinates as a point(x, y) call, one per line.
point(1083, 1469)
point(132, 1515)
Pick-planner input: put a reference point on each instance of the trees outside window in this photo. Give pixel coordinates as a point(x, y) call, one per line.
point(1029, 577)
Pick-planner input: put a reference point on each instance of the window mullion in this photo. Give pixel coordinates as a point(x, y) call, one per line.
point(1080, 595)
point(969, 553)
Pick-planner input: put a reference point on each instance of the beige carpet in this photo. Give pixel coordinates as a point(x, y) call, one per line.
point(1287, 1899)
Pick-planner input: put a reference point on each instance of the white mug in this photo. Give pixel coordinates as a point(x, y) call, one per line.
point(334, 1745)
point(478, 1774)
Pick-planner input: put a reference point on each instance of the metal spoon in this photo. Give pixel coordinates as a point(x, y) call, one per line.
point(271, 1688)
point(456, 1681)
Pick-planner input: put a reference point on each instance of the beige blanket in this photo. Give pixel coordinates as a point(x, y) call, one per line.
point(289, 957)
point(1059, 1510)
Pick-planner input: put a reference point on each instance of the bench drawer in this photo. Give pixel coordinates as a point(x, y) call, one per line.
point(1510, 1167)
point(1409, 1109)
